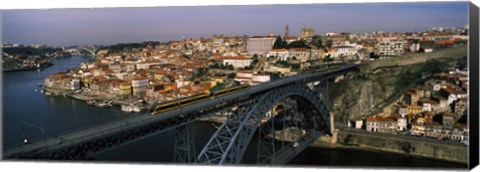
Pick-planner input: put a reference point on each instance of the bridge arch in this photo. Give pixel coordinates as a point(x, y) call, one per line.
point(90, 50)
point(232, 138)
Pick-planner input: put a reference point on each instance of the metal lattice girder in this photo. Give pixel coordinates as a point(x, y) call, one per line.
point(184, 145)
point(230, 141)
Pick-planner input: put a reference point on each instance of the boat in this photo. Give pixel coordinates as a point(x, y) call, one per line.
point(104, 104)
point(91, 102)
point(136, 108)
point(127, 108)
point(36, 90)
point(40, 84)
point(41, 91)
point(48, 93)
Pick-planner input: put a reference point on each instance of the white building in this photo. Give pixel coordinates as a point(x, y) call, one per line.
point(390, 48)
point(280, 54)
point(301, 54)
point(147, 64)
point(260, 78)
point(140, 82)
point(244, 76)
point(237, 61)
point(260, 44)
point(402, 124)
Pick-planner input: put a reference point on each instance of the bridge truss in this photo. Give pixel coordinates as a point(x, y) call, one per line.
point(304, 123)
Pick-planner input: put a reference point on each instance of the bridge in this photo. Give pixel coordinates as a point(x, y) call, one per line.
point(88, 50)
point(293, 108)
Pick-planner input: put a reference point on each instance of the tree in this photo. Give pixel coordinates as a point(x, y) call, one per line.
point(279, 43)
point(329, 43)
point(421, 50)
point(374, 56)
point(298, 44)
point(230, 67)
point(317, 41)
point(255, 56)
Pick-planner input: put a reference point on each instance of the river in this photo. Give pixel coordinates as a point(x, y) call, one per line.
point(28, 114)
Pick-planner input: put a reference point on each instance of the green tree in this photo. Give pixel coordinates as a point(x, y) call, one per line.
point(329, 43)
point(317, 41)
point(279, 43)
point(298, 44)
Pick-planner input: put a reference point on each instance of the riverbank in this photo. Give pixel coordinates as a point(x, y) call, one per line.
point(41, 66)
point(351, 139)
point(103, 100)
point(404, 145)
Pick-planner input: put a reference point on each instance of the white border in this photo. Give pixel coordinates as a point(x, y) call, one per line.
point(49, 4)
point(84, 167)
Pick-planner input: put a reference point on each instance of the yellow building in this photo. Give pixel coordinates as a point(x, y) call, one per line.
point(414, 109)
point(125, 89)
point(215, 80)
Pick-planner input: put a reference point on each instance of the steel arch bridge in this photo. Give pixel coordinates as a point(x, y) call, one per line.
point(88, 49)
point(249, 115)
point(309, 117)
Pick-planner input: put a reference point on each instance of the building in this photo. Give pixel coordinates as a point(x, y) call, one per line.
point(259, 78)
point(414, 109)
point(237, 61)
point(389, 48)
point(402, 123)
point(411, 98)
point(244, 76)
point(460, 106)
point(381, 124)
point(260, 44)
point(280, 54)
point(301, 54)
point(251, 78)
point(307, 33)
point(139, 86)
point(426, 104)
point(343, 51)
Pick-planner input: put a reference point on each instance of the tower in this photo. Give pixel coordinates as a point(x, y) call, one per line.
point(286, 32)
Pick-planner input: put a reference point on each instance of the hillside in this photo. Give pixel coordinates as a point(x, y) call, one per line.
point(382, 81)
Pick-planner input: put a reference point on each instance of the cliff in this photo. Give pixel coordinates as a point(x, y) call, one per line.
point(379, 83)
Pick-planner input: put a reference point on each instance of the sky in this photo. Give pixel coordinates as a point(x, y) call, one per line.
point(106, 26)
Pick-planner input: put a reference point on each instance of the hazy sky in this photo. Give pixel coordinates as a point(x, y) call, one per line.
point(104, 26)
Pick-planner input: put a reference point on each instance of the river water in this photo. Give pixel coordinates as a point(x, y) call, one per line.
point(28, 114)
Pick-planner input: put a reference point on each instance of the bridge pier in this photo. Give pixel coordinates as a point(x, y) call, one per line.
point(184, 145)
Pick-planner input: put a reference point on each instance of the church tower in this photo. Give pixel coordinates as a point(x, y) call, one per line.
point(286, 32)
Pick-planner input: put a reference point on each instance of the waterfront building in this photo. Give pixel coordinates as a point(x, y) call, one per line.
point(402, 123)
point(139, 86)
point(381, 124)
point(125, 89)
